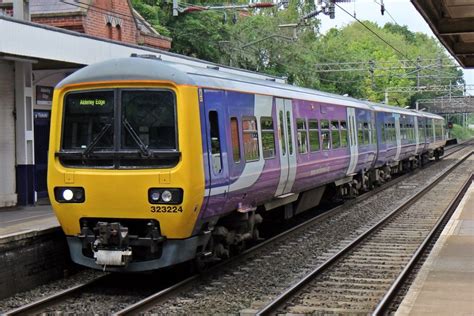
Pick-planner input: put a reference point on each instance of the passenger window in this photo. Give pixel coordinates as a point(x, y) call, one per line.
point(344, 134)
point(282, 135)
point(383, 132)
point(366, 133)
point(234, 132)
point(302, 136)
point(290, 139)
point(313, 135)
point(215, 142)
point(250, 135)
point(373, 133)
point(268, 137)
point(336, 138)
point(360, 134)
point(325, 134)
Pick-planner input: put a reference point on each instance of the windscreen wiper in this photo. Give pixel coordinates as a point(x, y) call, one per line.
point(143, 148)
point(96, 139)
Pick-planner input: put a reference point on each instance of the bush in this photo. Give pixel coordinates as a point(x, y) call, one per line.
point(461, 133)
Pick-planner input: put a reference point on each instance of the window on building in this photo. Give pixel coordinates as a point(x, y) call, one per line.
point(250, 135)
point(302, 136)
point(234, 133)
point(313, 135)
point(109, 30)
point(119, 32)
point(268, 137)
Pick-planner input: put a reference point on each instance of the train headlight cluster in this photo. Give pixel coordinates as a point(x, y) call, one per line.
point(69, 195)
point(165, 196)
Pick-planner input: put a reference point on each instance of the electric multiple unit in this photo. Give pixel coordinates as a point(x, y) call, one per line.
point(154, 163)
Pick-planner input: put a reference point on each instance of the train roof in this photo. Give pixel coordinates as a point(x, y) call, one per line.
point(137, 68)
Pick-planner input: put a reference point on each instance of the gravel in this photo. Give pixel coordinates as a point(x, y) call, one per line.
point(372, 266)
point(46, 290)
point(247, 284)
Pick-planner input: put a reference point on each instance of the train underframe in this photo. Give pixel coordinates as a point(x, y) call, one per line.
point(232, 232)
point(112, 244)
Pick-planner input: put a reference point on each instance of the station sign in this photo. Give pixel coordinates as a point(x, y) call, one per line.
point(44, 95)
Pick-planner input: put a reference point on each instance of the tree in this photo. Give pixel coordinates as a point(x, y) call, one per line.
point(258, 42)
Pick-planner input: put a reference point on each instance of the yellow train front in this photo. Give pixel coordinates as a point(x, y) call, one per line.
point(125, 172)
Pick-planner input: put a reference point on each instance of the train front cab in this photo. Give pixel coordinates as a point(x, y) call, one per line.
point(125, 173)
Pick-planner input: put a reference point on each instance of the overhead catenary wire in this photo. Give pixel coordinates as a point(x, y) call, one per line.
point(373, 32)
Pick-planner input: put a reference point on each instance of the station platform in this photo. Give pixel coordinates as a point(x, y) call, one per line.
point(23, 222)
point(33, 250)
point(445, 283)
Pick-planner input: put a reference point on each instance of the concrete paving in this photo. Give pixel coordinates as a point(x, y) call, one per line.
point(445, 284)
point(21, 222)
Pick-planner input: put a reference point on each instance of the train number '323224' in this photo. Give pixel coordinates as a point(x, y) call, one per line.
point(166, 209)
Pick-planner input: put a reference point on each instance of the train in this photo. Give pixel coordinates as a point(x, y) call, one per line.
point(154, 163)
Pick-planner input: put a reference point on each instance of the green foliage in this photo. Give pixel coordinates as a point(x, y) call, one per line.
point(461, 133)
point(357, 44)
point(199, 35)
point(258, 42)
point(155, 12)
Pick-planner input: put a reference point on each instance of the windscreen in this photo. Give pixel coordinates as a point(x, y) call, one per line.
point(86, 115)
point(120, 128)
point(151, 115)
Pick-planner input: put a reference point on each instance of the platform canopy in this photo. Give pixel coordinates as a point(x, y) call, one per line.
point(452, 21)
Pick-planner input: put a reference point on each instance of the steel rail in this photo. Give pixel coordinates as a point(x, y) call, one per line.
point(273, 306)
point(53, 299)
point(152, 300)
point(384, 304)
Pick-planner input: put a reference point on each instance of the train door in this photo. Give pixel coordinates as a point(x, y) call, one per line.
point(353, 146)
point(286, 133)
point(417, 135)
point(215, 122)
point(399, 136)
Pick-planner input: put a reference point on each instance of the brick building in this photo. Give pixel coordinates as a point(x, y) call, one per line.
point(111, 19)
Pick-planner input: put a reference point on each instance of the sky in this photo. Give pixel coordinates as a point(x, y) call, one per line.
point(403, 12)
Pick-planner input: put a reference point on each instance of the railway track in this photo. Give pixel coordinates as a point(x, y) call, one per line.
point(365, 276)
point(148, 302)
point(157, 298)
point(45, 303)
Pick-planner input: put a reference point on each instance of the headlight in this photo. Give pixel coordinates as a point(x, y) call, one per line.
point(69, 195)
point(155, 196)
point(165, 196)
